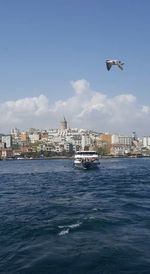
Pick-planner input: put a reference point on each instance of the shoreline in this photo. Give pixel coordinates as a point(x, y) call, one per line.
point(72, 157)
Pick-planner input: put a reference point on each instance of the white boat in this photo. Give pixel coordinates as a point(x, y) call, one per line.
point(86, 159)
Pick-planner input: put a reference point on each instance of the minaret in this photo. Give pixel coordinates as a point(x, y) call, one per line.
point(63, 124)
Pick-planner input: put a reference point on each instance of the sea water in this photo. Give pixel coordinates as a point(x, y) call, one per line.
point(58, 219)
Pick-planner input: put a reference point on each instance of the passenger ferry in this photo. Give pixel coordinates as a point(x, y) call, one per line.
point(86, 159)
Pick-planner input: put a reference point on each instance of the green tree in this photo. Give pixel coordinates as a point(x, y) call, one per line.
point(103, 151)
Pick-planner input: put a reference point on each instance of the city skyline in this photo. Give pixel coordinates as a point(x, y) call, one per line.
point(63, 128)
point(53, 64)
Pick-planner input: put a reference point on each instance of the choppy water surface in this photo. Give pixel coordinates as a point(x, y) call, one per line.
point(57, 219)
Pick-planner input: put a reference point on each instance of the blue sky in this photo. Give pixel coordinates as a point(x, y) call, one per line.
point(48, 45)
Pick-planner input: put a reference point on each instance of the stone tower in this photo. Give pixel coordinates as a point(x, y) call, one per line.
point(63, 124)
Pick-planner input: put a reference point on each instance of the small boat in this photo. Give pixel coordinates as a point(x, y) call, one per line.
point(86, 159)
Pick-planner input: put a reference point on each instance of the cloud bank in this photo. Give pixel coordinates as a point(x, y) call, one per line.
point(86, 109)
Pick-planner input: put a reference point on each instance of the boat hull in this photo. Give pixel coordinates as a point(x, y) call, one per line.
point(87, 165)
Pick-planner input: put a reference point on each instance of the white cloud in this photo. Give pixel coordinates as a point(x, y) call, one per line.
point(86, 109)
point(80, 86)
point(146, 109)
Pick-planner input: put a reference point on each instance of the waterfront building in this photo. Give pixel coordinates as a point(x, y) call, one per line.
point(121, 140)
point(2, 145)
point(44, 136)
point(68, 147)
point(146, 142)
point(15, 132)
point(119, 150)
point(85, 141)
point(35, 137)
point(6, 153)
point(76, 141)
point(24, 137)
point(52, 134)
point(7, 139)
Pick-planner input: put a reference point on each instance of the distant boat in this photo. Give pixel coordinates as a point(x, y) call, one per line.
point(86, 159)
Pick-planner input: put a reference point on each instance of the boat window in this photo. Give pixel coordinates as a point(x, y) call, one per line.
point(86, 153)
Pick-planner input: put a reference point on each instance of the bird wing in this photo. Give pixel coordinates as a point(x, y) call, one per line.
point(120, 66)
point(108, 65)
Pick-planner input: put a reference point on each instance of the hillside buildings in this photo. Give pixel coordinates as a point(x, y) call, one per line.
point(64, 140)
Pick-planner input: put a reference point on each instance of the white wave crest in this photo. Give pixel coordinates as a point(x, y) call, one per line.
point(66, 228)
point(71, 225)
point(63, 232)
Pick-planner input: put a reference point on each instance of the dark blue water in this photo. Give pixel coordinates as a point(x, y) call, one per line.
point(57, 219)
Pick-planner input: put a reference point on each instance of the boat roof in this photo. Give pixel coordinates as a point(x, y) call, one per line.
point(86, 152)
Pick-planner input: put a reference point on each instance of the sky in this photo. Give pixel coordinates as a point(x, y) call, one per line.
point(52, 64)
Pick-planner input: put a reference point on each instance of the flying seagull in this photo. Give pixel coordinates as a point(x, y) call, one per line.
point(109, 63)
